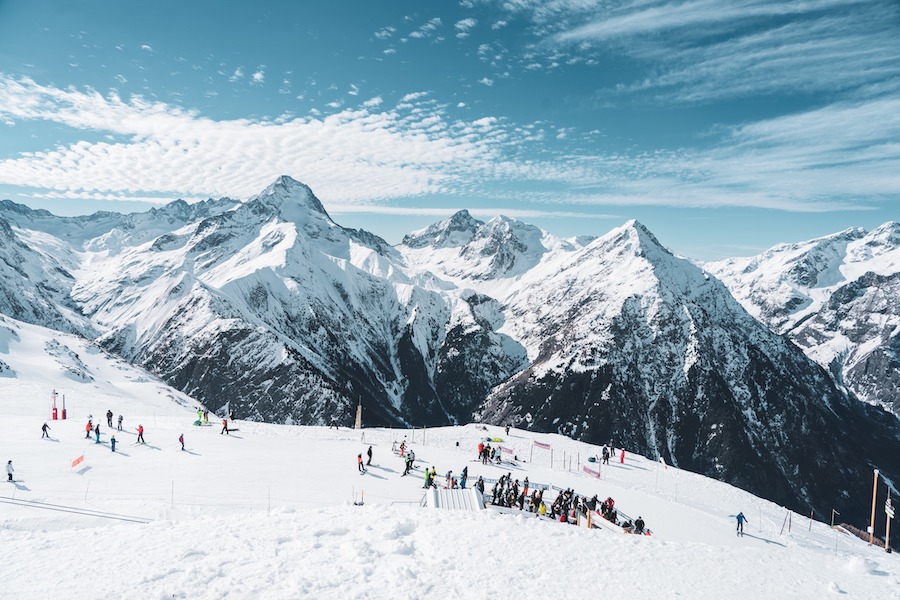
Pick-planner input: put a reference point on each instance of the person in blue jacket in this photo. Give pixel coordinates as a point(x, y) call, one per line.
point(740, 523)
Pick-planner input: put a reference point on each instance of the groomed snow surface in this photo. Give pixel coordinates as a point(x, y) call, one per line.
point(268, 511)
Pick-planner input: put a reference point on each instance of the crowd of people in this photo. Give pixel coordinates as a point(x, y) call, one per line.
point(509, 492)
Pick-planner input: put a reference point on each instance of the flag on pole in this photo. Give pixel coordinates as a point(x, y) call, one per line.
point(541, 445)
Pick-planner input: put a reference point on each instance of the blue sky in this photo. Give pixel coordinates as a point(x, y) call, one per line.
point(725, 126)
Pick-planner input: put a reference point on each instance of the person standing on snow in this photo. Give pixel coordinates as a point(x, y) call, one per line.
point(140, 431)
point(44, 429)
point(109, 418)
point(740, 523)
point(97, 433)
point(359, 463)
point(9, 470)
point(224, 427)
point(181, 439)
point(369, 452)
point(639, 525)
point(112, 442)
point(120, 422)
point(88, 429)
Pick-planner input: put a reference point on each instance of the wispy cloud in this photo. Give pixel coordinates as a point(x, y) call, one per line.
point(814, 160)
point(427, 29)
point(463, 26)
point(705, 50)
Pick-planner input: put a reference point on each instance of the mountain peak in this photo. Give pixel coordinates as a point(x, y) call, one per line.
point(286, 195)
point(458, 230)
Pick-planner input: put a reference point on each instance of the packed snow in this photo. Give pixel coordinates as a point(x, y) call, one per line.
point(278, 511)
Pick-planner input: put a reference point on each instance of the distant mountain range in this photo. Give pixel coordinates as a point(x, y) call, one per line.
point(271, 307)
point(838, 298)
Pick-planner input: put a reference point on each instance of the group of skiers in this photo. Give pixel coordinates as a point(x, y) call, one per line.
point(488, 455)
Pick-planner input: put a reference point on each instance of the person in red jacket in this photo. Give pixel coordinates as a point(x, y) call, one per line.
point(140, 431)
point(224, 427)
point(359, 463)
point(181, 439)
point(88, 429)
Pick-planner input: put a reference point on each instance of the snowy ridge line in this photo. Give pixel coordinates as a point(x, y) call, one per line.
point(73, 509)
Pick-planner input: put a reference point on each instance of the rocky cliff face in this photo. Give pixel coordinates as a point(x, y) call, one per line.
point(837, 298)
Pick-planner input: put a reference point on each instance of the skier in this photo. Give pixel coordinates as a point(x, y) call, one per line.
point(740, 523)
point(120, 422)
point(44, 429)
point(359, 463)
point(181, 439)
point(369, 452)
point(97, 433)
point(9, 470)
point(88, 429)
point(109, 418)
point(140, 431)
point(112, 442)
point(605, 455)
point(639, 525)
point(427, 479)
point(224, 427)
point(408, 466)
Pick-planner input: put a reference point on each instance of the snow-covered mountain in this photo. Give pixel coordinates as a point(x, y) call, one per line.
point(271, 307)
point(838, 298)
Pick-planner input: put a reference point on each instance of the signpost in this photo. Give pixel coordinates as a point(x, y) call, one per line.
point(889, 511)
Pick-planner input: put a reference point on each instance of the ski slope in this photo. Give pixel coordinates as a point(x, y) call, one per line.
point(277, 511)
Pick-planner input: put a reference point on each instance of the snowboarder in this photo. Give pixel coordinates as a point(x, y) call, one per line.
point(112, 442)
point(369, 452)
point(109, 416)
point(359, 463)
point(181, 439)
point(97, 433)
point(44, 429)
point(9, 470)
point(740, 523)
point(224, 427)
point(199, 414)
point(120, 422)
point(639, 525)
point(88, 429)
point(140, 431)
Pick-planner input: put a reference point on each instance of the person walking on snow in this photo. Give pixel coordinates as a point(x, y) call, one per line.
point(181, 439)
point(120, 422)
point(740, 523)
point(88, 429)
point(224, 427)
point(359, 463)
point(44, 429)
point(97, 433)
point(112, 442)
point(140, 431)
point(9, 470)
point(369, 452)
point(109, 418)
